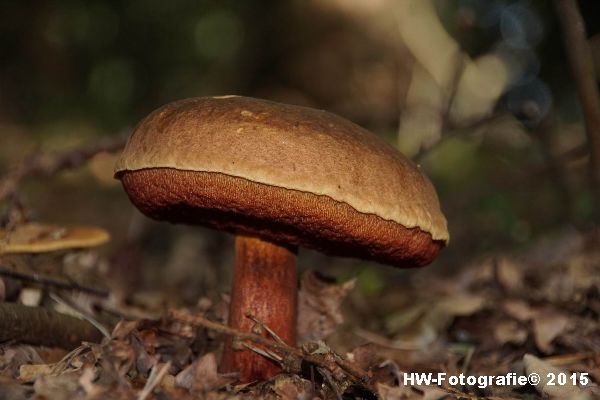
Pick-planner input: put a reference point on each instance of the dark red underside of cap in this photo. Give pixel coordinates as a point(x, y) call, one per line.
point(281, 215)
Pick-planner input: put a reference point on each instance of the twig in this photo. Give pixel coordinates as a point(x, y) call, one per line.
point(269, 330)
point(582, 66)
point(568, 359)
point(74, 308)
point(355, 373)
point(41, 164)
point(64, 363)
point(154, 379)
point(40, 326)
point(265, 353)
point(329, 379)
point(44, 281)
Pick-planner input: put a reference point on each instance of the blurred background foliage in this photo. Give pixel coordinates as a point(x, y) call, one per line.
point(478, 92)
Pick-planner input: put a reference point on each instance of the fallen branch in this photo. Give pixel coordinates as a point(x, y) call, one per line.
point(43, 164)
point(332, 364)
point(40, 326)
point(50, 282)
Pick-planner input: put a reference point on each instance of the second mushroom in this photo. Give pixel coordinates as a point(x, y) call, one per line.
point(279, 176)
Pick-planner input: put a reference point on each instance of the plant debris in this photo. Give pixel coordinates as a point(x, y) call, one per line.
point(506, 316)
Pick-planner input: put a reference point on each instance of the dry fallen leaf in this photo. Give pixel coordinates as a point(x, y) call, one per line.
point(386, 392)
point(202, 375)
point(518, 309)
point(319, 305)
point(86, 381)
point(545, 371)
point(444, 310)
point(510, 332)
point(509, 274)
point(364, 356)
point(29, 372)
point(57, 387)
point(292, 388)
point(405, 317)
point(547, 326)
point(421, 324)
point(9, 389)
point(432, 392)
point(12, 358)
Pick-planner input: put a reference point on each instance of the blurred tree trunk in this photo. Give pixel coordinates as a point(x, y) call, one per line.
point(580, 58)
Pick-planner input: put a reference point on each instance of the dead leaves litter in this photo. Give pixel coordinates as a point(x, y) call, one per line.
point(504, 314)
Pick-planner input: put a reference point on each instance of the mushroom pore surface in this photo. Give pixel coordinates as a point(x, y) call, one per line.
point(281, 215)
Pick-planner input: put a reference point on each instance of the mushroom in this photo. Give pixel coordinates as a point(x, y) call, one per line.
point(279, 176)
point(45, 250)
point(42, 238)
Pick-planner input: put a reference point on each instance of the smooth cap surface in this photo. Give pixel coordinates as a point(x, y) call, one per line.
point(289, 173)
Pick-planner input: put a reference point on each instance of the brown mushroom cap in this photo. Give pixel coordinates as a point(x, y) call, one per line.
point(290, 174)
point(41, 238)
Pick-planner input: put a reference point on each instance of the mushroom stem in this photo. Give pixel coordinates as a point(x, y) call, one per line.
point(265, 286)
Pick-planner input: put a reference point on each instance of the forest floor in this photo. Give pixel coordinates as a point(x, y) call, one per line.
point(506, 316)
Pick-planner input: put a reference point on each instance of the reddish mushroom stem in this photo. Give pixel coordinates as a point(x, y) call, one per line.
point(264, 285)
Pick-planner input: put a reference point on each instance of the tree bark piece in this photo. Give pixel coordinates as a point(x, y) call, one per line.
point(43, 327)
point(264, 286)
